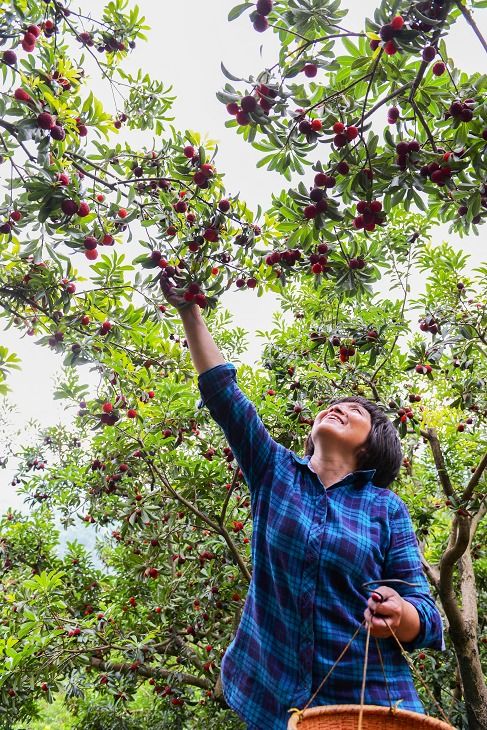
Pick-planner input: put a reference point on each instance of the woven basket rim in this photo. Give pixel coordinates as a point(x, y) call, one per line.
point(426, 720)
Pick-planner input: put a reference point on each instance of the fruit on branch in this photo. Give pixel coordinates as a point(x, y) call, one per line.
point(86, 39)
point(248, 104)
point(397, 23)
point(260, 23)
point(232, 108)
point(390, 48)
point(461, 110)
point(423, 369)
point(370, 215)
point(357, 263)
point(224, 205)
point(343, 167)
point(310, 70)
point(22, 95)
point(404, 150)
point(263, 7)
point(57, 132)
point(83, 209)
point(69, 207)
point(392, 115)
point(189, 151)
point(439, 68)
point(9, 57)
point(428, 53)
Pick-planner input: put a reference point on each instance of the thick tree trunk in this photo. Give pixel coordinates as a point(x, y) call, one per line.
point(474, 688)
point(463, 629)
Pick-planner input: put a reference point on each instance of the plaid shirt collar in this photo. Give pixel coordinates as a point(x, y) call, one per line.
point(358, 478)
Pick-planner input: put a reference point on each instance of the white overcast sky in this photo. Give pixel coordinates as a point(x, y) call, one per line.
point(185, 45)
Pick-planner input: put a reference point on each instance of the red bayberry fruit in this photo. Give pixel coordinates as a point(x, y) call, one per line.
point(83, 209)
point(188, 151)
point(248, 104)
point(316, 125)
point(263, 7)
point(310, 212)
point(22, 95)
point(242, 118)
point(386, 32)
point(260, 23)
point(122, 213)
point(320, 179)
point(338, 127)
point(439, 68)
point(69, 207)
point(340, 140)
point(45, 121)
point(343, 168)
point(317, 268)
point(16, 215)
point(397, 23)
point(251, 282)
point(390, 48)
point(9, 57)
point(224, 205)
point(232, 108)
point(428, 53)
point(57, 133)
point(90, 243)
point(351, 132)
point(85, 320)
point(376, 206)
point(131, 413)
point(310, 70)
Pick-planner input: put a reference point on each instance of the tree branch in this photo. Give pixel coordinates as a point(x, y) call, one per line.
point(468, 17)
point(434, 42)
point(434, 443)
point(475, 478)
point(150, 671)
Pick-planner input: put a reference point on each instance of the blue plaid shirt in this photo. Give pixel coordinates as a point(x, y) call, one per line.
point(312, 548)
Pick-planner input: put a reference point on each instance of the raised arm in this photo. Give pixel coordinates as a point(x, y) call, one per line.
point(202, 347)
point(251, 443)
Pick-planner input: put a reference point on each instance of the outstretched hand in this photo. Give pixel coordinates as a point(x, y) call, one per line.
point(173, 293)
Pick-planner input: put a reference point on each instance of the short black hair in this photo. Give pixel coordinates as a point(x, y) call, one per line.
point(382, 450)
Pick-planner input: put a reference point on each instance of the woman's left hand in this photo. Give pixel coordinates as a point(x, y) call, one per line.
point(391, 608)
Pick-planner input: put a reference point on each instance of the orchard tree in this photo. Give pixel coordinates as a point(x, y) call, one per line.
point(142, 465)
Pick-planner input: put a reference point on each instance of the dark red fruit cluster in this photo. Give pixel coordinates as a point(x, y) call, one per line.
point(461, 110)
point(30, 38)
point(263, 97)
point(387, 33)
point(203, 175)
point(414, 398)
point(429, 324)
point(404, 414)
point(319, 260)
point(259, 18)
point(438, 174)
point(86, 39)
point(357, 263)
point(288, 257)
point(322, 180)
point(369, 215)
point(431, 10)
point(343, 134)
point(428, 53)
point(404, 150)
point(346, 351)
point(423, 369)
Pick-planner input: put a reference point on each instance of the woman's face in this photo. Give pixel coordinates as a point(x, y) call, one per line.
point(343, 424)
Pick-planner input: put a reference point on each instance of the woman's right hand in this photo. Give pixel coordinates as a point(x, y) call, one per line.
point(170, 286)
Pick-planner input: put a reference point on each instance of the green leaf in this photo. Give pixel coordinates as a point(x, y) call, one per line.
point(237, 11)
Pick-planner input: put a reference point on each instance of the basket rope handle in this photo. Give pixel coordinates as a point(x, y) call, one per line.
point(300, 713)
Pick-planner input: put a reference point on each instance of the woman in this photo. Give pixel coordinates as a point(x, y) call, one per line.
point(322, 526)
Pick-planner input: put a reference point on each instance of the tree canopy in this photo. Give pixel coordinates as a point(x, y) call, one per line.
point(381, 137)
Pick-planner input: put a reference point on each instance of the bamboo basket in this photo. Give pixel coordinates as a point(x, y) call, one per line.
point(374, 717)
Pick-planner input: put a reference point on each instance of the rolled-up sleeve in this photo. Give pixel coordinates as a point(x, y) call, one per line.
point(251, 443)
point(404, 561)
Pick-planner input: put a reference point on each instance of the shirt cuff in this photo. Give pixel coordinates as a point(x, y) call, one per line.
point(428, 636)
point(211, 381)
